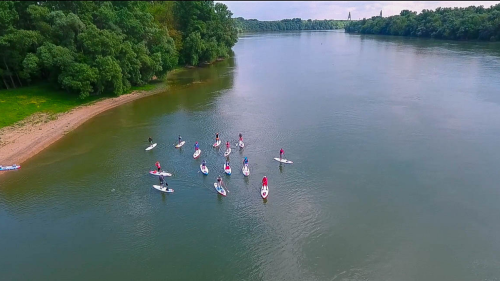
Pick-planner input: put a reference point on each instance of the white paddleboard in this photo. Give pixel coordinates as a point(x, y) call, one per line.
point(162, 173)
point(228, 151)
point(216, 144)
point(227, 171)
point(164, 189)
point(204, 171)
point(7, 168)
point(245, 170)
point(220, 189)
point(264, 191)
point(151, 146)
point(197, 153)
point(241, 144)
point(283, 160)
point(180, 144)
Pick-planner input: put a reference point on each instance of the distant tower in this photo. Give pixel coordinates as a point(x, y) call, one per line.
point(380, 13)
point(349, 17)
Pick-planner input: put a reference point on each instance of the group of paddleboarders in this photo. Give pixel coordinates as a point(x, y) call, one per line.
point(161, 178)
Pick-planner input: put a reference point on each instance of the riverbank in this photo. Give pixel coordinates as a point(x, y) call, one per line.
point(28, 137)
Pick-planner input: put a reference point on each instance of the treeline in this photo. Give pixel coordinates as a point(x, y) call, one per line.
point(286, 24)
point(471, 23)
point(91, 47)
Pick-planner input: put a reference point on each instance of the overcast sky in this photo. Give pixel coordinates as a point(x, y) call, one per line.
point(277, 10)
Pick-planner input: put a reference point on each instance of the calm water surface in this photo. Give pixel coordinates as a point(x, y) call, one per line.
point(396, 171)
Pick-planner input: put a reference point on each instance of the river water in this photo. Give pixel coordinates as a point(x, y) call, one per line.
point(396, 171)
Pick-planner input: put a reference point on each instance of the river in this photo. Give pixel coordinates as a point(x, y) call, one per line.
point(395, 175)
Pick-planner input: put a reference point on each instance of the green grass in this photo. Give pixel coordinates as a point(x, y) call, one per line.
point(17, 104)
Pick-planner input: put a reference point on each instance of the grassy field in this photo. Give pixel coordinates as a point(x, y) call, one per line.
point(17, 104)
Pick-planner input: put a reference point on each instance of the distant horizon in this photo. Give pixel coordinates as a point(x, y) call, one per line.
point(336, 10)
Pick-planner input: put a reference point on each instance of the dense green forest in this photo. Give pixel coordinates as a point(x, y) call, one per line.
point(471, 23)
point(287, 24)
point(91, 47)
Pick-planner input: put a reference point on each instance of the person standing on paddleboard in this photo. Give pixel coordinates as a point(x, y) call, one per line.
point(264, 181)
point(180, 139)
point(162, 181)
point(196, 146)
point(158, 165)
point(216, 137)
point(245, 161)
point(282, 152)
point(219, 181)
point(150, 141)
point(227, 164)
point(227, 145)
point(204, 163)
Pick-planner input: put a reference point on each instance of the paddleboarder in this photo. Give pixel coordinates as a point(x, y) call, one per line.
point(227, 145)
point(282, 152)
point(180, 139)
point(196, 146)
point(162, 181)
point(216, 137)
point(150, 141)
point(241, 137)
point(203, 164)
point(158, 165)
point(245, 161)
point(264, 181)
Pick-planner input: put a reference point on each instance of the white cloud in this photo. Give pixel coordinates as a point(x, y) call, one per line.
point(276, 10)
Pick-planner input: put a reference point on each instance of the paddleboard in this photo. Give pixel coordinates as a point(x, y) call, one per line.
point(204, 171)
point(220, 189)
point(162, 173)
point(164, 189)
point(216, 144)
point(197, 153)
point(241, 144)
point(228, 151)
point(227, 171)
point(7, 168)
point(245, 170)
point(264, 191)
point(180, 144)
point(151, 146)
point(283, 160)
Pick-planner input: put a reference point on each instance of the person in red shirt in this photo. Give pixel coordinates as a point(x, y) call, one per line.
point(241, 137)
point(227, 145)
point(282, 152)
point(158, 166)
point(264, 181)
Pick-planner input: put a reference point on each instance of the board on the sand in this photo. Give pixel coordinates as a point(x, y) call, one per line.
point(245, 170)
point(227, 169)
point(151, 146)
point(162, 173)
point(163, 189)
point(241, 144)
point(217, 143)
point(7, 168)
point(196, 153)
point(204, 170)
point(180, 144)
point(283, 160)
point(264, 191)
point(228, 151)
point(220, 189)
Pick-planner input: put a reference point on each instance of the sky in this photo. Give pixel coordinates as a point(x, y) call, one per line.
point(277, 10)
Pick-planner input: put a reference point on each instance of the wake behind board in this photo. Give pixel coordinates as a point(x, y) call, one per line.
point(197, 153)
point(163, 189)
point(180, 144)
point(204, 170)
point(228, 151)
point(220, 189)
point(151, 146)
point(162, 173)
point(283, 160)
point(8, 168)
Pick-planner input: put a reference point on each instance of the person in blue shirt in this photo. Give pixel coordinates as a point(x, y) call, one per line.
point(204, 163)
point(245, 161)
point(196, 146)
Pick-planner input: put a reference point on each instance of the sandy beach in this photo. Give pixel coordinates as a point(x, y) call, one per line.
point(25, 139)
